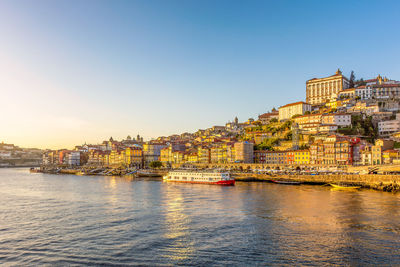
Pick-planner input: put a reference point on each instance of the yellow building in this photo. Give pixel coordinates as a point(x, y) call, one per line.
point(333, 104)
point(319, 90)
point(115, 159)
point(172, 154)
point(203, 154)
point(302, 157)
point(132, 156)
point(388, 156)
point(191, 158)
point(178, 157)
point(222, 153)
point(166, 154)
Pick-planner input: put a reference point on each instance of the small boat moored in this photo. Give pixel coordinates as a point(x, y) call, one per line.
point(344, 186)
point(286, 182)
point(33, 170)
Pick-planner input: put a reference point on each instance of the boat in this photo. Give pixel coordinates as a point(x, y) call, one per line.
point(33, 170)
point(147, 173)
point(199, 177)
point(344, 186)
point(286, 182)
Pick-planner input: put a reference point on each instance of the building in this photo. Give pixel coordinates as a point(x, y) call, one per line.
point(244, 152)
point(390, 155)
point(363, 93)
point(320, 90)
point(387, 128)
point(286, 112)
point(383, 88)
point(366, 155)
point(380, 146)
point(324, 123)
point(73, 158)
point(276, 157)
point(223, 153)
point(173, 153)
point(317, 152)
point(327, 128)
point(347, 93)
point(334, 150)
point(133, 156)
point(339, 119)
point(308, 119)
point(290, 157)
point(152, 151)
point(364, 108)
point(301, 157)
point(270, 157)
point(203, 154)
point(267, 117)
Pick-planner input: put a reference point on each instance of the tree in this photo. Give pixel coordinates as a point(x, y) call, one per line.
point(274, 120)
point(307, 112)
point(296, 116)
point(352, 78)
point(267, 144)
point(155, 164)
point(304, 146)
point(360, 82)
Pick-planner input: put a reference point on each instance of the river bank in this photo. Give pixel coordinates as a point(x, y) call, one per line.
point(387, 183)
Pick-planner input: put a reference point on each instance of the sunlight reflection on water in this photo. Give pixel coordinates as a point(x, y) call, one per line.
point(74, 220)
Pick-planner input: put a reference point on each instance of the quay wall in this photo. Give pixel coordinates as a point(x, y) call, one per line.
point(375, 181)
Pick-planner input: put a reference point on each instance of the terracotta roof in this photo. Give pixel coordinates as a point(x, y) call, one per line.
point(346, 90)
point(385, 85)
point(294, 104)
point(391, 150)
point(331, 124)
point(336, 74)
point(335, 114)
point(268, 114)
point(308, 115)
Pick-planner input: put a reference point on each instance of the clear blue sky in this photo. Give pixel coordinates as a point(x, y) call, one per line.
point(74, 71)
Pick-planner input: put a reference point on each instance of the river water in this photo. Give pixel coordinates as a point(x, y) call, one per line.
point(77, 220)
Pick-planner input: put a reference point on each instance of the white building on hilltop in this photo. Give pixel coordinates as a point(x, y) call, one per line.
point(286, 112)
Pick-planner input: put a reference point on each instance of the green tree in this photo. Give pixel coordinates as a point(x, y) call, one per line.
point(304, 146)
point(351, 80)
point(360, 82)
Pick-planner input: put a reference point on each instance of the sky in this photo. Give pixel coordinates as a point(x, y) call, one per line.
point(81, 71)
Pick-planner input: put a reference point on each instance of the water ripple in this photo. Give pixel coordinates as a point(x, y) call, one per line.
point(110, 221)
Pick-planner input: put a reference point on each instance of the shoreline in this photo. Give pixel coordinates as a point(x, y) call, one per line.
point(386, 183)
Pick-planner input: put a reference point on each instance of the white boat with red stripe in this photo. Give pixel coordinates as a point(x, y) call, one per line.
point(199, 177)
